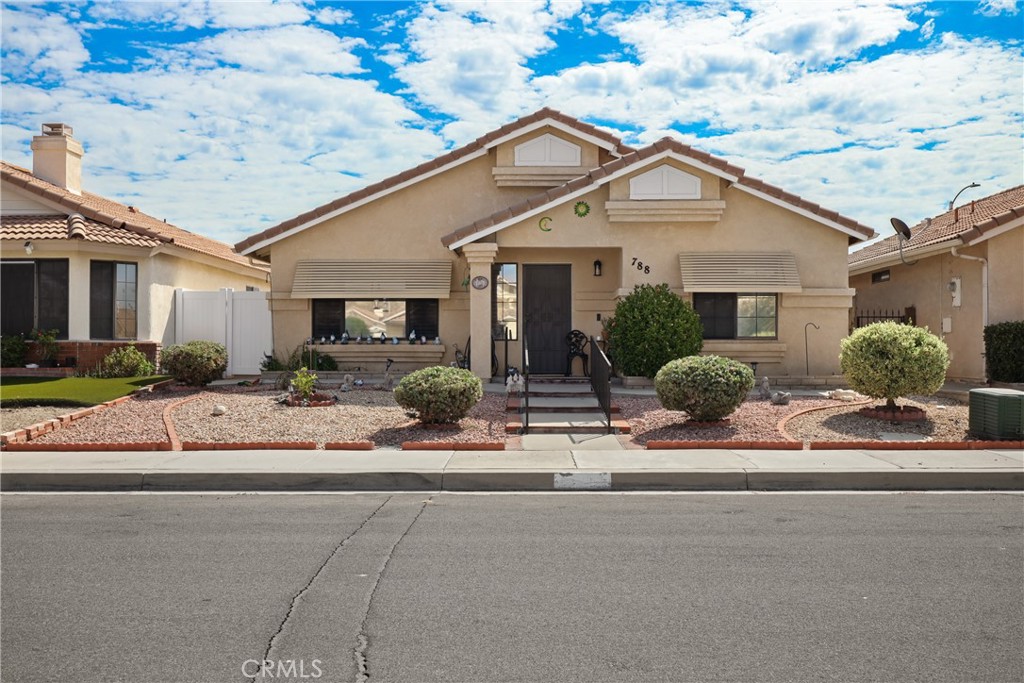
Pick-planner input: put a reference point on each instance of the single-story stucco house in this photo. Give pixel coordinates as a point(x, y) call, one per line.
point(538, 228)
point(959, 271)
point(99, 272)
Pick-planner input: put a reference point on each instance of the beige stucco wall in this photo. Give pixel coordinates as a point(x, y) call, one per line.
point(409, 223)
point(748, 224)
point(1006, 276)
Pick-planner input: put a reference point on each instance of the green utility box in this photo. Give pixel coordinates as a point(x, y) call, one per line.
point(997, 414)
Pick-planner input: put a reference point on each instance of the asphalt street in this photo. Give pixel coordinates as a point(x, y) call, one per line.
point(505, 587)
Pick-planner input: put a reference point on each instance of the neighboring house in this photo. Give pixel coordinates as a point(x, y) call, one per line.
point(565, 219)
point(99, 272)
point(960, 271)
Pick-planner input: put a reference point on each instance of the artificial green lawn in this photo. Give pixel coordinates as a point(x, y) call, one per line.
point(78, 391)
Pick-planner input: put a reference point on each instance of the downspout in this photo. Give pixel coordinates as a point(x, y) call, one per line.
point(984, 298)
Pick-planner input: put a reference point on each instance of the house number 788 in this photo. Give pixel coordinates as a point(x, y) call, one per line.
point(641, 266)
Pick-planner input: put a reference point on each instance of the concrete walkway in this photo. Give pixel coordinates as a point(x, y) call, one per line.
point(589, 464)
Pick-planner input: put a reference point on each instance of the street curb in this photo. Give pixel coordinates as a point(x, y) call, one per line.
point(1000, 479)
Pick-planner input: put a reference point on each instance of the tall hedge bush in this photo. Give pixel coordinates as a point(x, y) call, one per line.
point(889, 360)
point(652, 326)
point(195, 363)
point(1004, 351)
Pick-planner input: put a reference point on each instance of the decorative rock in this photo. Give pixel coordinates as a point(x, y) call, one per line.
point(347, 379)
point(765, 391)
point(781, 398)
point(843, 395)
point(358, 383)
point(219, 409)
point(345, 387)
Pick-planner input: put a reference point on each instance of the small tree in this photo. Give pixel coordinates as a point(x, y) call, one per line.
point(652, 326)
point(889, 360)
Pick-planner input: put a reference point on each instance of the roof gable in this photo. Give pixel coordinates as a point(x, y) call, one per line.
point(666, 148)
point(428, 169)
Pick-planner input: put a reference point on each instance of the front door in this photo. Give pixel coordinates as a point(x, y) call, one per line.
point(547, 312)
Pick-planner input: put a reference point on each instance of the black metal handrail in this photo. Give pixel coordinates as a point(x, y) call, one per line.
point(601, 380)
point(526, 384)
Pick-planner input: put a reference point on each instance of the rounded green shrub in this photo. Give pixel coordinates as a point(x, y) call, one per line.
point(195, 363)
point(13, 349)
point(652, 326)
point(439, 395)
point(888, 360)
point(126, 361)
point(706, 387)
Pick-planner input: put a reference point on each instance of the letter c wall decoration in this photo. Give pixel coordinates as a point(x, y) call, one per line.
point(543, 223)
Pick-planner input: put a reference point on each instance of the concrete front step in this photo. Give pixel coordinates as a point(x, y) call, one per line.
point(567, 423)
point(559, 404)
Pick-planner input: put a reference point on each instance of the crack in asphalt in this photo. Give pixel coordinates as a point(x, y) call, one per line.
point(298, 596)
point(360, 652)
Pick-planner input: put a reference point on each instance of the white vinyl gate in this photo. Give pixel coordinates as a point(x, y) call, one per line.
point(238, 320)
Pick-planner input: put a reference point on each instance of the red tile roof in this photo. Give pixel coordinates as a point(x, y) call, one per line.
point(638, 157)
point(968, 221)
point(426, 167)
point(105, 221)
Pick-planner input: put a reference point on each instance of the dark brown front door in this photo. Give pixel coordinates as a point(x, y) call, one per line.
point(547, 312)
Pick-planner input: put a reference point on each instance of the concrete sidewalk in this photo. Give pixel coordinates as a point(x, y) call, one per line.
point(586, 468)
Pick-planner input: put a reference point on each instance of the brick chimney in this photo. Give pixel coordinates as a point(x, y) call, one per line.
point(57, 157)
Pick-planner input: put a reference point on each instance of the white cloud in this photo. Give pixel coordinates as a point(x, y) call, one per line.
point(40, 44)
point(993, 8)
point(179, 14)
point(332, 16)
point(284, 50)
point(469, 59)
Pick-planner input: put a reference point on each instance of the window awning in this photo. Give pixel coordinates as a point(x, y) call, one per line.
point(739, 272)
point(372, 280)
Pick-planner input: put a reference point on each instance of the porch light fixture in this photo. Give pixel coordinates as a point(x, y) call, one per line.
point(597, 268)
point(29, 248)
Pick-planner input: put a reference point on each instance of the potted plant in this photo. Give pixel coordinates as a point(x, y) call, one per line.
point(48, 347)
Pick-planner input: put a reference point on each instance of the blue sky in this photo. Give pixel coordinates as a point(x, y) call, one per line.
point(229, 117)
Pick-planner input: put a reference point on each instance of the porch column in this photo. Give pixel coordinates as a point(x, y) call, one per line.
point(480, 257)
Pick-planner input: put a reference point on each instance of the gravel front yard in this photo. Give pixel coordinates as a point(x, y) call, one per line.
point(371, 415)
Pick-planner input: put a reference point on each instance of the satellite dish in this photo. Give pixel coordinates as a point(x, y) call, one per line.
point(901, 228)
point(903, 233)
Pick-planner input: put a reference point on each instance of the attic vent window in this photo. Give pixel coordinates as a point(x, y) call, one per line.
point(547, 150)
point(880, 276)
point(664, 182)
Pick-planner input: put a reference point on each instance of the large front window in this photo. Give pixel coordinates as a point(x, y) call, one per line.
point(35, 296)
point(360, 318)
point(737, 316)
point(113, 300)
point(505, 300)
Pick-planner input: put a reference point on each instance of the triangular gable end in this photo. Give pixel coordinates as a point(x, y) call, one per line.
point(664, 149)
point(510, 131)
